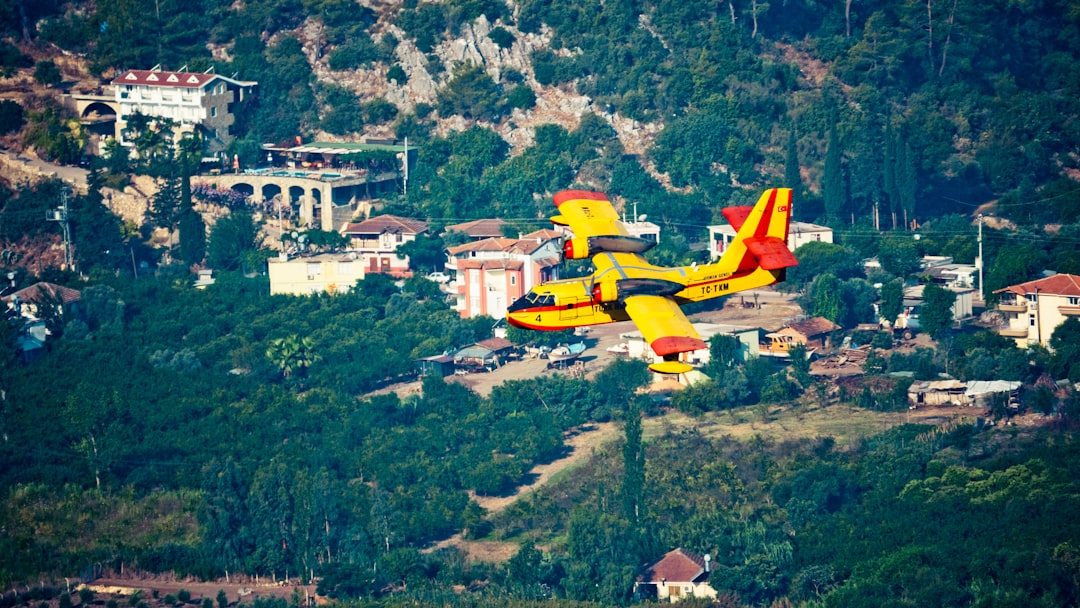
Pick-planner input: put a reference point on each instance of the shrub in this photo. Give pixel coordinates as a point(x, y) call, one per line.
point(502, 37)
point(12, 116)
point(47, 73)
point(397, 74)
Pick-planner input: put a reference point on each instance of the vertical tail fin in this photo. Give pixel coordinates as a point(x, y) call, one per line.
point(761, 237)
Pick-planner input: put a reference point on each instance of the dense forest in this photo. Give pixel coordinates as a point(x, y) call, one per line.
point(200, 432)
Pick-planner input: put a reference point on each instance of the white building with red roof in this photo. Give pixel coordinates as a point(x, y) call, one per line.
point(678, 575)
point(1033, 310)
point(191, 99)
point(375, 242)
point(492, 273)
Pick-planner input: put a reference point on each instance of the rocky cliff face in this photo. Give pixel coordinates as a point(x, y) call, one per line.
point(554, 105)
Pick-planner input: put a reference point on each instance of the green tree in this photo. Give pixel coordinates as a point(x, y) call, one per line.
point(827, 298)
point(899, 256)
point(936, 312)
point(47, 73)
point(816, 258)
point(12, 116)
point(792, 173)
point(832, 187)
point(293, 354)
point(424, 252)
point(1065, 342)
point(472, 93)
point(192, 237)
point(892, 300)
point(231, 239)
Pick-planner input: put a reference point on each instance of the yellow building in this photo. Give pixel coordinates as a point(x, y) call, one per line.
point(321, 273)
point(1033, 310)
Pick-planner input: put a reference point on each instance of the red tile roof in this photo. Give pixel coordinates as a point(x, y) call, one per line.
point(39, 292)
point(814, 327)
point(495, 344)
point(678, 566)
point(492, 244)
point(1058, 285)
point(387, 223)
point(479, 228)
point(159, 78)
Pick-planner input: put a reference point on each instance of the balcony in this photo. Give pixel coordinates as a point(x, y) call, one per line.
point(1014, 308)
point(1009, 332)
point(1069, 311)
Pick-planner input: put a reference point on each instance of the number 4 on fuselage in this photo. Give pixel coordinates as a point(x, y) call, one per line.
point(626, 287)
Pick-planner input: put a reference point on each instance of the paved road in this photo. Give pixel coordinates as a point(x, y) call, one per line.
point(75, 176)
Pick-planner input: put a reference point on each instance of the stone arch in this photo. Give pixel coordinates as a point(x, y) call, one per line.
point(100, 109)
point(269, 191)
point(244, 188)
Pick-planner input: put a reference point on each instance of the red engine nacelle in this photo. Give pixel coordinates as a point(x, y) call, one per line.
point(604, 292)
point(576, 248)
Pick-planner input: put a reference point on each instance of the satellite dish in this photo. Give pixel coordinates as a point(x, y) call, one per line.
point(641, 218)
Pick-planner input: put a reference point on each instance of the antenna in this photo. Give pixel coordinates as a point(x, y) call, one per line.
point(61, 215)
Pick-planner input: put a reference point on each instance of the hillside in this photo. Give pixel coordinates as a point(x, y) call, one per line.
point(171, 433)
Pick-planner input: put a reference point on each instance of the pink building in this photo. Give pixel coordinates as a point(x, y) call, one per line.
point(492, 273)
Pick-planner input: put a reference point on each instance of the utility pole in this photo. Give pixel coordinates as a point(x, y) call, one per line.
point(405, 183)
point(982, 286)
point(62, 215)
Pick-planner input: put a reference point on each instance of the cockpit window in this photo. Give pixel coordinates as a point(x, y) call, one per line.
point(537, 299)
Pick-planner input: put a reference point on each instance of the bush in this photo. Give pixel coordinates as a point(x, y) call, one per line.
point(502, 37)
point(47, 73)
point(12, 116)
point(354, 54)
point(397, 74)
point(521, 97)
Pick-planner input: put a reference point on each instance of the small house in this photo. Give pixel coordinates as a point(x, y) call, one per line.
point(486, 354)
point(937, 392)
point(677, 575)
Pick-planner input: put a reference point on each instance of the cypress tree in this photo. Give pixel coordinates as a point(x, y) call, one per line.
point(792, 177)
point(833, 186)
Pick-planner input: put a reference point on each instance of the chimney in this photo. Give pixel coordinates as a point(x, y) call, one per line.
point(708, 558)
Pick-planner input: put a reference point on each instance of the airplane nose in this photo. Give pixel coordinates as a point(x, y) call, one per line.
point(514, 322)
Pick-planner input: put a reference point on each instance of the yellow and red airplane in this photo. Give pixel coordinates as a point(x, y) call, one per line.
point(626, 287)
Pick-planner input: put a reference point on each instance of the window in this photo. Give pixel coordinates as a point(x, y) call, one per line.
point(1031, 320)
point(513, 279)
point(1031, 297)
point(213, 111)
point(1074, 301)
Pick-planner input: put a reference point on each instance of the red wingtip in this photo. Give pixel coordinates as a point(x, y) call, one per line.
point(576, 195)
point(670, 345)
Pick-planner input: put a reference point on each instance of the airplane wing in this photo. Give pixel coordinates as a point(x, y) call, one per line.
point(663, 324)
point(588, 214)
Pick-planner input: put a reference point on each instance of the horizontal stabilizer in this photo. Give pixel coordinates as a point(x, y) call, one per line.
point(771, 252)
point(736, 216)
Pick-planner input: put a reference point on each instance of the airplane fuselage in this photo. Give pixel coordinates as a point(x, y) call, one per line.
point(596, 299)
